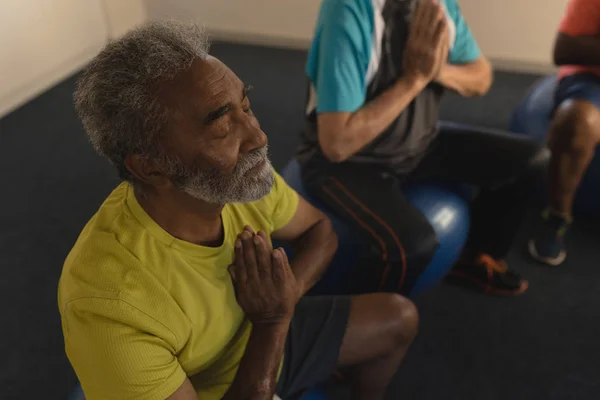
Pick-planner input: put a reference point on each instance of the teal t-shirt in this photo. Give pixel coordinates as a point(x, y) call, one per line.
point(343, 55)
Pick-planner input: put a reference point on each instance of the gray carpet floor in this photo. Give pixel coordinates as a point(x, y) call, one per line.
point(543, 345)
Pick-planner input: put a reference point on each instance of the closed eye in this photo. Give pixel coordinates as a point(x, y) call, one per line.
point(218, 113)
point(222, 111)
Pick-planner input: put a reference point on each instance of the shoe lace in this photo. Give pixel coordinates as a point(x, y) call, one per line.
point(491, 264)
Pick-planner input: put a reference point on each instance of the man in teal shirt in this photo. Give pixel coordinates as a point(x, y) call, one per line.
point(377, 71)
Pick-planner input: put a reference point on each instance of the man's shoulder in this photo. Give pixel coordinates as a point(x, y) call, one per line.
point(109, 249)
point(102, 276)
point(348, 25)
point(95, 266)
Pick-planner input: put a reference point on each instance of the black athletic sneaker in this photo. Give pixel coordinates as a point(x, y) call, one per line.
point(489, 276)
point(548, 244)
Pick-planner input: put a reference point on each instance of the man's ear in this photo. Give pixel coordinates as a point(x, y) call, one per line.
point(146, 170)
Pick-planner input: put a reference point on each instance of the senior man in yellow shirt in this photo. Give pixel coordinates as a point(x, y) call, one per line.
point(172, 290)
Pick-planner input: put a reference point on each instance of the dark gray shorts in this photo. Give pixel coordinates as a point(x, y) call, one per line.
point(313, 343)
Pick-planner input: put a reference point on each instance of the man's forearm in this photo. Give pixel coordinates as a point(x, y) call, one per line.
point(256, 377)
point(313, 253)
point(473, 79)
point(577, 50)
point(364, 125)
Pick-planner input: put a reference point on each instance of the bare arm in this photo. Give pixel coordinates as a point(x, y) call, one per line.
point(256, 377)
point(184, 392)
point(311, 236)
point(342, 134)
point(577, 50)
point(257, 373)
point(472, 79)
point(267, 291)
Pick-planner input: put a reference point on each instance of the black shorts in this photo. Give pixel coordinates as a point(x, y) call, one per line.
point(313, 343)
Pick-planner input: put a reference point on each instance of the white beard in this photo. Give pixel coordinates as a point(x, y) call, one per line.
point(240, 189)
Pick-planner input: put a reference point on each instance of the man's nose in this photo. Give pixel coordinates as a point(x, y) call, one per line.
point(254, 137)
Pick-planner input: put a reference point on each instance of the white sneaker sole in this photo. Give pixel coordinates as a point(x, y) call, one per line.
point(552, 261)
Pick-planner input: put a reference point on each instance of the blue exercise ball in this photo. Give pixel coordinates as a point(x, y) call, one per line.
point(532, 118)
point(445, 207)
point(449, 215)
point(317, 393)
point(77, 394)
point(338, 277)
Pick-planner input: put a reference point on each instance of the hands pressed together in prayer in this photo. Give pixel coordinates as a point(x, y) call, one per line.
point(265, 285)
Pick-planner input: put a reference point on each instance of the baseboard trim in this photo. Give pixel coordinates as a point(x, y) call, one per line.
point(303, 44)
point(259, 39)
point(46, 80)
point(522, 66)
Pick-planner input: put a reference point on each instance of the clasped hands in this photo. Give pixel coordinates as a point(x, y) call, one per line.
point(426, 49)
point(266, 288)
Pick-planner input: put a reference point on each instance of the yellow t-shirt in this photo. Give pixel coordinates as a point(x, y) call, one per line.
point(141, 310)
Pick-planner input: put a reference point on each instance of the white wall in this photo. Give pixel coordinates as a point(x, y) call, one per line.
point(42, 41)
point(514, 33)
point(283, 22)
point(122, 15)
